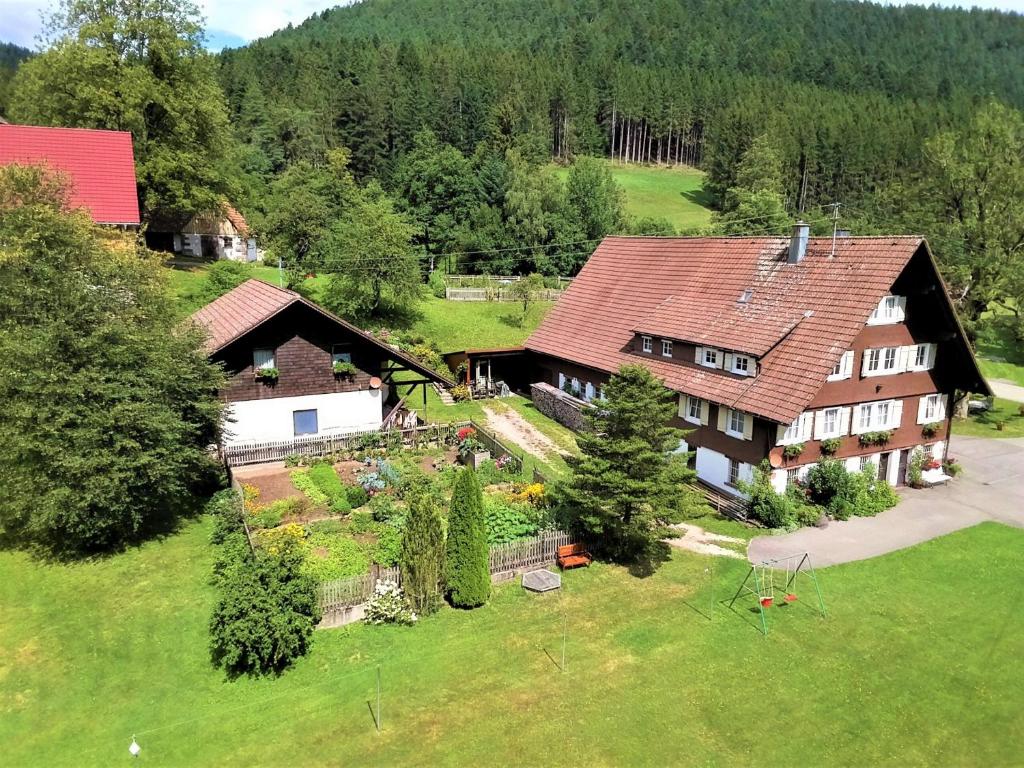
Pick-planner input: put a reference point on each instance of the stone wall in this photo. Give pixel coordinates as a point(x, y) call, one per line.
point(560, 406)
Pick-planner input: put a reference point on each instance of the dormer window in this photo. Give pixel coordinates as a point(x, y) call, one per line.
point(742, 365)
point(709, 357)
point(891, 309)
point(666, 348)
point(843, 368)
point(647, 343)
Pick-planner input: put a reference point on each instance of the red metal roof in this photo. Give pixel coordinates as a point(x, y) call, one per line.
point(99, 165)
point(799, 318)
point(250, 304)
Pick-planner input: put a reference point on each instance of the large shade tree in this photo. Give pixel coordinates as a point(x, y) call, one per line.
point(108, 403)
point(136, 66)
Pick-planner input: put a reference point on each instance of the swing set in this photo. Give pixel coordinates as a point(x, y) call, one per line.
point(764, 575)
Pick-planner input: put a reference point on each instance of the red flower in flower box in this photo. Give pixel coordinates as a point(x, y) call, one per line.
point(465, 433)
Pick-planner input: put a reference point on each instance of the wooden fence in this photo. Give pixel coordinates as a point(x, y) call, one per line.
point(498, 294)
point(497, 448)
point(339, 594)
point(238, 454)
point(723, 504)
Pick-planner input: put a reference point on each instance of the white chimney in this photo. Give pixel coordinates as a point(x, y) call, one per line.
point(798, 243)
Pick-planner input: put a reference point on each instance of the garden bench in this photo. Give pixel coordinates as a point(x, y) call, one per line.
point(573, 555)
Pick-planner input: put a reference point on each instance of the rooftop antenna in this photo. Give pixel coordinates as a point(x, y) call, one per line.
point(835, 227)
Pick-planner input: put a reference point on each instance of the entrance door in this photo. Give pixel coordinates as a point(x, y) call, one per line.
point(883, 466)
point(901, 475)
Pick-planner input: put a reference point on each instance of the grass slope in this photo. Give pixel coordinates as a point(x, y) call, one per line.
point(675, 194)
point(918, 663)
point(457, 325)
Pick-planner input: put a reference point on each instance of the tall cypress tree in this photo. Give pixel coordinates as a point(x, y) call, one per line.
point(422, 557)
point(467, 571)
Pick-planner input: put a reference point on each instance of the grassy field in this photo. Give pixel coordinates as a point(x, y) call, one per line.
point(917, 663)
point(674, 194)
point(457, 325)
point(986, 424)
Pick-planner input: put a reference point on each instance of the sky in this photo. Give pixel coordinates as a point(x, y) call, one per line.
point(235, 22)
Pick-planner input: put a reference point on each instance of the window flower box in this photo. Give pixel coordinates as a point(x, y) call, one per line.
point(830, 446)
point(344, 369)
point(930, 430)
point(793, 451)
point(267, 375)
point(876, 438)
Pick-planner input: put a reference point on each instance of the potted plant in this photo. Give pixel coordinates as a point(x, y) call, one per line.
point(793, 451)
point(344, 368)
point(930, 430)
point(268, 375)
point(875, 438)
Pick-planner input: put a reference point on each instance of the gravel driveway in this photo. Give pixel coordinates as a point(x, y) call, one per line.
point(990, 488)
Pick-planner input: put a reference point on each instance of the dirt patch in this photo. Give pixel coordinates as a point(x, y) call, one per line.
point(347, 471)
point(451, 456)
point(273, 481)
point(696, 539)
point(514, 428)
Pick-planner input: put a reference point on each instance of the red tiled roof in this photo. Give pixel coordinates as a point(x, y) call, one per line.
point(799, 317)
point(237, 220)
point(99, 165)
point(252, 303)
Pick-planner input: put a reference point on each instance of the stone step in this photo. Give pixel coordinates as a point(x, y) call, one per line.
point(443, 393)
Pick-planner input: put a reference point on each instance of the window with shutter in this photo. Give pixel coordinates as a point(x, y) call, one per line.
point(262, 359)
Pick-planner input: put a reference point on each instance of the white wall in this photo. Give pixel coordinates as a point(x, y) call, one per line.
point(713, 469)
point(271, 419)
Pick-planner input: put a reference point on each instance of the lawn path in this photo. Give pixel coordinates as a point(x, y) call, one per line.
point(515, 428)
point(1007, 390)
point(696, 539)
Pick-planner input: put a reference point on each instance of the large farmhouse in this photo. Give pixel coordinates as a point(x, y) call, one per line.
point(99, 166)
point(779, 349)
point(295, 370)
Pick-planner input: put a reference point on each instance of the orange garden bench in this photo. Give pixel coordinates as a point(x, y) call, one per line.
point(572, 556)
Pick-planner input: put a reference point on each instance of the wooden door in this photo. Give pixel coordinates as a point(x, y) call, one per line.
point(883, 466)
point(901, 475)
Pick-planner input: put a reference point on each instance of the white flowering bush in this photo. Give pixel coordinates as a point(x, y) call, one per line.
point(388, 605)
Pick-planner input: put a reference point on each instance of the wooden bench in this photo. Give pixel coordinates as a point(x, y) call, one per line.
point(572, 556)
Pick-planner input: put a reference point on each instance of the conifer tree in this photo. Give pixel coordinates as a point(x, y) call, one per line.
point(629, 482)
point(467, 569)
point(422, 556)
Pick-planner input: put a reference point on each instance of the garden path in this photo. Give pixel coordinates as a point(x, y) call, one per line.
point(696, 539)
point(514, 428)
point(991, 487)
point(1007, 390)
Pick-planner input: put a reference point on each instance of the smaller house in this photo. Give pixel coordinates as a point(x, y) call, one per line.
point(99, 166)
point(222, 234)
point(488, 372)
point(295, 370)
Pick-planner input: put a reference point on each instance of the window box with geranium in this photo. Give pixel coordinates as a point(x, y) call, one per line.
point(267, 375)
point(876, 438)
point(930, 430)
point(830, 446)
point(793, 451)
point(344, 369)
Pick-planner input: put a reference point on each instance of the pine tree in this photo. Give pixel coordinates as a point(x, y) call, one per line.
point(422, 556)
point(467, 570)
point(628, 484)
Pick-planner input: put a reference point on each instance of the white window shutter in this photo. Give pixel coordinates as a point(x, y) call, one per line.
point(922, 404)
point(780, 433)
point(748, 426)
point(844, 421)
point(682, 406)
point(865, 355)
point(905, 358)
point(806, 425)
point(704, 411)
point(819, 425)
point(727, 361)
point(941, 411)
point(561, 380)
point(723, 415)
point(895, 414)
point(901, 308)
point(930, 361)
point(846, 364)
point(699, 356)
point(719, 360)
point(855, 427)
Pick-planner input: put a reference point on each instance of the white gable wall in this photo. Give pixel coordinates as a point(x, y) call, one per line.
point(271, 419)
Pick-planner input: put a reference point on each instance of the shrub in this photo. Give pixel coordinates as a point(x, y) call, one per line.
point(951, 467)
point(388, 605)
point(533, 494)
point(227, 512)
point(269, 516)
point(326, 526)
point(422, 554)
point(435, 281)
point(915, 468)
point(807, 514)
point(507, 520)
point(488, 473)
point(302, 480)
point(826, 480)
point(293, 460)
point(388, 549)
point(467, 567)
point(362, 521)
point(459, 393)
point(266, 609)
point(830, 446)
point(357, 495)
point(332, 556)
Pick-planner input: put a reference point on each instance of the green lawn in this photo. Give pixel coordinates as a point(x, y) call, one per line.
point(986, 424)
point(457, 325)
point(917, 664)
point(675, 194)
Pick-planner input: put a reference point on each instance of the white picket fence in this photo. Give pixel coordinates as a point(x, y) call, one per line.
point(355, 590)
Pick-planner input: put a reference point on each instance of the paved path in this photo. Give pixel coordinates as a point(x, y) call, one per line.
point(990, 488)
point(1007, 390)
